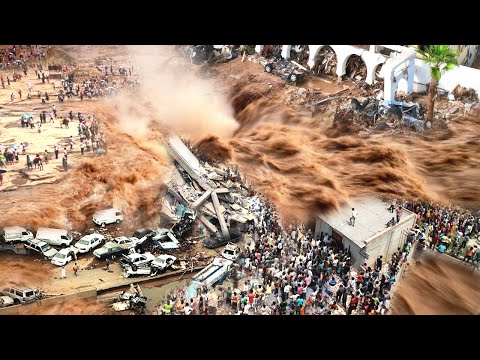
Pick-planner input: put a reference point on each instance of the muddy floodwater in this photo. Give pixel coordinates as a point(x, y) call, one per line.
point(438, 285)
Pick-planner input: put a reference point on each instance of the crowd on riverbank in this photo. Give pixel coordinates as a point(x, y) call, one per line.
point(453, 231)
point(286, 270)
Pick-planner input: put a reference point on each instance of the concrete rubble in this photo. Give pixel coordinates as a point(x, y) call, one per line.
point(220, 200)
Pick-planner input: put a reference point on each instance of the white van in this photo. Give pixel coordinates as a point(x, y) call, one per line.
point(107, 216)
point(16, 233)
point(55, 237)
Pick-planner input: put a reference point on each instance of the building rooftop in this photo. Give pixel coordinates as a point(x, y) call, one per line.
point(372, 218)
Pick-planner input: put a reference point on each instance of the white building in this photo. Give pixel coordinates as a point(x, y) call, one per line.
point(370, 237)
point(398, 66)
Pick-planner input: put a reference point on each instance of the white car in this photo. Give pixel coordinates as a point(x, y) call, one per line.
point(137, 259)
point(64, 256)
point(163, 262)
point(6, 301)
point(231, 251)
point(107, 216)
point(129, 270)
point(124, 242)
point(166, 240)
point(89, 242)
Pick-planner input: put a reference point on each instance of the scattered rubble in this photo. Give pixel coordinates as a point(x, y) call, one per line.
point(356, 68)
point(132, 300)
point(373, 114)
point(325, 62)
point(465, 94)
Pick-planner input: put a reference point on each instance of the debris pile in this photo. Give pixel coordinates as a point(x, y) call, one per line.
point(214, 194)
point(272, 51)
point(132, 300)
point(356, 68)
point(372, 114)
point(325, 61)
point(465, 94)
point(300, 53)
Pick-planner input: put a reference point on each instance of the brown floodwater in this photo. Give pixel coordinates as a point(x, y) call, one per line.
point(438, 285)
point(299, 163)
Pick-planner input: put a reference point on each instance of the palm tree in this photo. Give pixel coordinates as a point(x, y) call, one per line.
point(441, 59)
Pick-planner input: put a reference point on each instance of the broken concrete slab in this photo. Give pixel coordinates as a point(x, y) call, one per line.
point(235, 207)
point(207, 223)
point(221, 220)
point(201, 199)
point(179, 151)
point(177, 196)
point(210, 207)
point(222, 191)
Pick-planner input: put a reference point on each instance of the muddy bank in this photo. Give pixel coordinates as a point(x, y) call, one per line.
point(438, 285)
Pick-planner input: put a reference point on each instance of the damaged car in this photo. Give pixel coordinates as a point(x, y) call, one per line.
point(109, 251)
point(40, 247)
point(181, 227)
point(287, 70)
point(131, 300)
point(6, 301)
point(64, 256)
point(166, 241)
point(372, 112)
point(125, 242)
point(217, 240)
point(143, 238)
point(89, 242)
point(163, 262)
point(138, 270)
point(137, 259)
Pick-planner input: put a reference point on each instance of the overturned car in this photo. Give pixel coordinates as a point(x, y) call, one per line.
point(287, 70)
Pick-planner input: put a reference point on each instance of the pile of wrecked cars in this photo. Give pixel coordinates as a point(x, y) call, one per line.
point(131, 300)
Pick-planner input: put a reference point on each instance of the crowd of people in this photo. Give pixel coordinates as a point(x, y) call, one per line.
point(286, 270)
point(447, 230)
point(90, 137)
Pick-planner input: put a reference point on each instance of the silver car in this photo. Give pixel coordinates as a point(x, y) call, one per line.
point(20, 294)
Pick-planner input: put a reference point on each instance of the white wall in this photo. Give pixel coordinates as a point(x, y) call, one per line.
point(461, 75)
point(388, 242)
point(322, 226)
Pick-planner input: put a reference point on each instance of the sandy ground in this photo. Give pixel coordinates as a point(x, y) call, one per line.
point(41, 274)
point(11, 131)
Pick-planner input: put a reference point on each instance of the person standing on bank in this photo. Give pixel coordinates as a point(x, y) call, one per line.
point(64, 273)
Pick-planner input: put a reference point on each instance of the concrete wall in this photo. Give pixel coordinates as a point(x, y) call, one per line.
point(19, 309)
point(322, 226)
point(461, 75)
point(357, 258)
point(387, 242)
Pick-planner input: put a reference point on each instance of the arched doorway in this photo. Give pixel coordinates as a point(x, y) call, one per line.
point(325, 61)
point(300, 54)
point(356, 69)
point(269, 51)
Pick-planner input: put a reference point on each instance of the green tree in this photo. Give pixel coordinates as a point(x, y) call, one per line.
point(441, 59)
